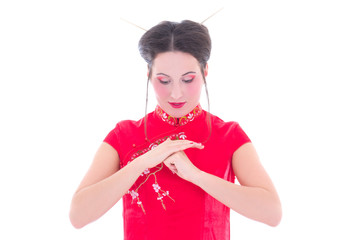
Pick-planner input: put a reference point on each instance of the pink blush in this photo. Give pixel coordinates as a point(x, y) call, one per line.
point(160, 89)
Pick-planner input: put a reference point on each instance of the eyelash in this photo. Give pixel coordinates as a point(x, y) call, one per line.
point(164, 82)
point(167, 82)
point(188, 81)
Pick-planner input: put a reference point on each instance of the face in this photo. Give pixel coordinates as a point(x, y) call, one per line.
point(177, 81)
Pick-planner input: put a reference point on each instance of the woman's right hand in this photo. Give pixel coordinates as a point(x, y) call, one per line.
point(158, 154)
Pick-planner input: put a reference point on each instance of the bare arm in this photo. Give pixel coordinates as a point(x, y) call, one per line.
point(255, 198)
point(104, 184)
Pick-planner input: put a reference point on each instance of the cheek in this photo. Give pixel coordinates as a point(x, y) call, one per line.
point(161, 91)
point(195, 90)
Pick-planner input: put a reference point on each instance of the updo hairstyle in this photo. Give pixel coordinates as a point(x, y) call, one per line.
point(186, 36)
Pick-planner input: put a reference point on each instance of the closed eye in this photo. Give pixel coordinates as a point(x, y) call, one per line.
point(188, 80)
point(163, 80)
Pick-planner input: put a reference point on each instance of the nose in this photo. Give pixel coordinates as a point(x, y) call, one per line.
point(176, 92)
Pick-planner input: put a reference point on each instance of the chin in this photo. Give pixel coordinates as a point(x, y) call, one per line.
point(177, 113)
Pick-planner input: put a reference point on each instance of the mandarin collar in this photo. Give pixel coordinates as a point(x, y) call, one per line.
point(173, 121)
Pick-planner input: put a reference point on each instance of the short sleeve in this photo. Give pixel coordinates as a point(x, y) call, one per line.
point(239, 137)
point(113, 140)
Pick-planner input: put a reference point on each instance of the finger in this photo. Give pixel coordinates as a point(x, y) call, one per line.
point(167, 163)
point(180, 145)
point(170, 160)
point(191, 145)
point(187, 143)
point(180, 141)
point(171, 165)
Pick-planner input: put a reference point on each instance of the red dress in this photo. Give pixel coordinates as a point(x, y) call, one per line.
point(161, 205)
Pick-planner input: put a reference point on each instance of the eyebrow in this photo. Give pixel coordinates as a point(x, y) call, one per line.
point(181, 75)
point(163, 74)
point(188, 73)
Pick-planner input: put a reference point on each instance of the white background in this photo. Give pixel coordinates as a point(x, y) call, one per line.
point(287, 71)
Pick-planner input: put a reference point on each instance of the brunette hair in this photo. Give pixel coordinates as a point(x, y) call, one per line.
point(185, 36)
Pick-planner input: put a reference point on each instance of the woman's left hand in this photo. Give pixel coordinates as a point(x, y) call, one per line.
point(180, 164)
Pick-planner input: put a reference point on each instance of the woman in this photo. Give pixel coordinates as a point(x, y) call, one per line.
point(175, 168)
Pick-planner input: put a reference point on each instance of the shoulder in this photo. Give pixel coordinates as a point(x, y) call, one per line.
point(224, 126)
point(128, 126)
point(124, 134)
point(124, 129)
point(230, 131)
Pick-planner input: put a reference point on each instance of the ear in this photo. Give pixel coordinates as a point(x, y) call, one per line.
point(206, 70)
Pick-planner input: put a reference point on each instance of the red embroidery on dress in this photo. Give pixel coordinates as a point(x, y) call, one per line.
point(178, 121)
point(147, 173)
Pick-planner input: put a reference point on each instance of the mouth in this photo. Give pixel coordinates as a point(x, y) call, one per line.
point(177, 104)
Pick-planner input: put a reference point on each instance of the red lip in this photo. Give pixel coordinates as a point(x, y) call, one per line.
point(177, 105)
